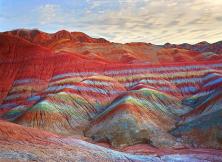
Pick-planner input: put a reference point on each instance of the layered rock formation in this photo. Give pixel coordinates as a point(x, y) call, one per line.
point(70, 88)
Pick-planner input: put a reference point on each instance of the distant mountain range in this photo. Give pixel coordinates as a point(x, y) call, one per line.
point(202, 47)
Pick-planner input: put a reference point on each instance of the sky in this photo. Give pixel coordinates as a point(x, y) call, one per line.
point(154, 21)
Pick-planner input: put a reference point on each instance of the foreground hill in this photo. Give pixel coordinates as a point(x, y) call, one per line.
point(81, 92)
point(20, 143)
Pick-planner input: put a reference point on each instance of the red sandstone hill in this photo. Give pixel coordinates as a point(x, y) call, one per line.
point(47, 39)
point(18, 49)
point(99, 48)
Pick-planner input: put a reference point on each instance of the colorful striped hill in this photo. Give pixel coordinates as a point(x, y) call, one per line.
point(81, 92)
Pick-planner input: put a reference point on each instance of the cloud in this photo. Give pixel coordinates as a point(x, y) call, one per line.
point(161, 21)
point(219, 18)
point(48, 13)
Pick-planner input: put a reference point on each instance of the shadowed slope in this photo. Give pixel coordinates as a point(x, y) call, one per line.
point(202, 127)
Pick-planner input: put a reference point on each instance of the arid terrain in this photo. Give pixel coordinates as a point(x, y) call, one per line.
point(66, 96)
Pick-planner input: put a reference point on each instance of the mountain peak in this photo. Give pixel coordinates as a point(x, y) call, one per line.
point(202, 43)
point(43, 38)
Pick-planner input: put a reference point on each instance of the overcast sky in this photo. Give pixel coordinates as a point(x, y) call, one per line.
point(155, 21)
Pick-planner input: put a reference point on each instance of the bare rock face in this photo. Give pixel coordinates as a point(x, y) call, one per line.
point(71, 96)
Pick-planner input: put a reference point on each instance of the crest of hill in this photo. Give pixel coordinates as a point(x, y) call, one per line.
point(43, 38)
